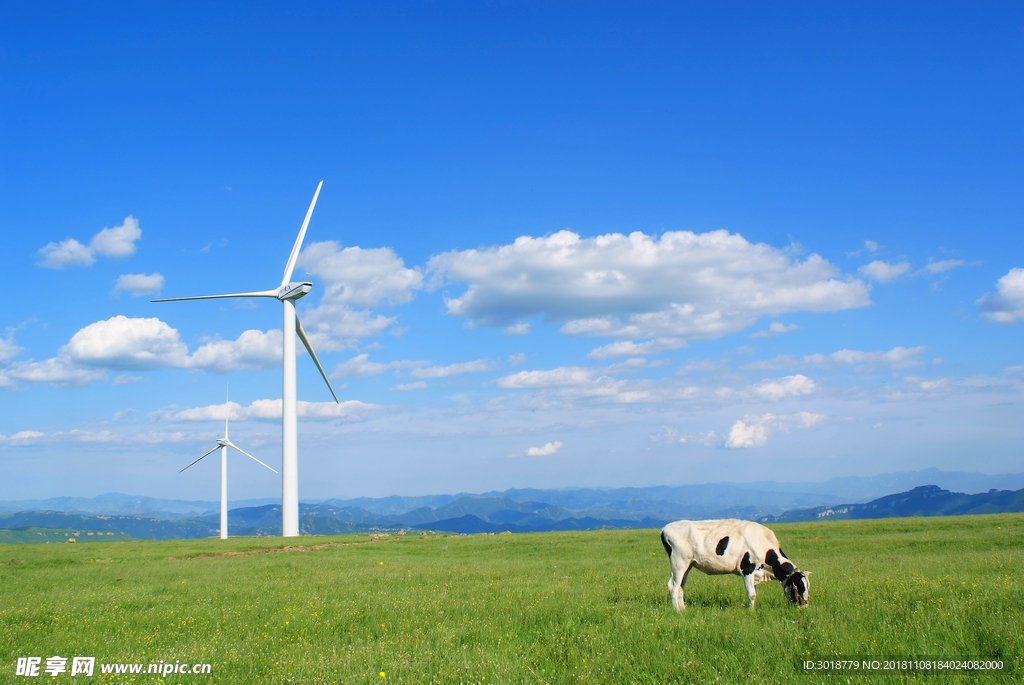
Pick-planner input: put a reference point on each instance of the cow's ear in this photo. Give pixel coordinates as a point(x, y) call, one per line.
point(807, 573)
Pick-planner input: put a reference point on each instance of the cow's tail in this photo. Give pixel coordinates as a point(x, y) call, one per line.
point(664, 543)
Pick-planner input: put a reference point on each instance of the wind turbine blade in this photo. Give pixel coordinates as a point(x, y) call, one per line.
point(248, 455)
point(260, 293)
point(309, 348)
point(298, 241)
point(201, 458)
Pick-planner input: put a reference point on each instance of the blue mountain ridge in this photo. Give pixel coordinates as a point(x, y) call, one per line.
point(767, 497)
point(494, 514)
point(925, 500)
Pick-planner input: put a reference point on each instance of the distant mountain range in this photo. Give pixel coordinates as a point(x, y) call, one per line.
point(526, 510)
point(116, 504)
point(33, 534)
point(926, 500)
point(772, 497)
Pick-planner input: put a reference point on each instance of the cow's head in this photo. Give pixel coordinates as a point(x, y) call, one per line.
point(797, 587)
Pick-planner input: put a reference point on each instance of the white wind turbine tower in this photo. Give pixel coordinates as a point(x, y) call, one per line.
point(223, 444)
point(287, 292)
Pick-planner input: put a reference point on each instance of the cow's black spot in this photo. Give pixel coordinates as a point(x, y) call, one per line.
point(746, 565)
point(664, 543)
point(783, 553)
point(780, 569)
point(722, 544)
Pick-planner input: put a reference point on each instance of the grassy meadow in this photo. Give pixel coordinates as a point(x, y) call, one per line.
point(587, 607)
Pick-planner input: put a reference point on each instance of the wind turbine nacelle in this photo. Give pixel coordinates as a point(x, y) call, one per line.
point(223, 442)
point(293, 291)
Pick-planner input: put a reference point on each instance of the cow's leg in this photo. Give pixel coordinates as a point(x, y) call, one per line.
point(750, 583)
point(680, 569)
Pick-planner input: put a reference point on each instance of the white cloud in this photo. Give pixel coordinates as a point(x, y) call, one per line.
point(631, 364)
point(252, 350)
point(937, 385)
point(128, 344)
point(869, 246)
point(139, 284)
point(666, 436)
point(545, 451)
point(883, 272)
point(576, 383)
point(8, 350)
point(517, 358)
point(405, 387)
point(267, 410)
point(141, 344)
point(24, 437)
point(790, 386)
point(333, 327)
point(118, 241)
point(560, 377)
point(806, 419)
point(521, 328)
point(360, 365)
point(604, 388)
point(219, 412)
point(103, 437)
point(670, 436)
point(707, 439)
point(355, 278)
point(896, 358)
point(349, 409)
point(1007, 304)
point(752, 434)
point(59, 371)
point(776, 328)
point(360, 277)
point(681, 285)
point(68, 252)
point(754, 431)
point(130, 438)
point(453, 369)
point(627, 348)
point(944, 265)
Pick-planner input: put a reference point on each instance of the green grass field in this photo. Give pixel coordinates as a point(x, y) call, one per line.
point(585, 607)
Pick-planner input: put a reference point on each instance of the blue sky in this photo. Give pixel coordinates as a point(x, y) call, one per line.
point(556, 246)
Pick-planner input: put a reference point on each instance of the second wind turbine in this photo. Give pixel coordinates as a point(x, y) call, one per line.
point(287, 293)
point(223, 444)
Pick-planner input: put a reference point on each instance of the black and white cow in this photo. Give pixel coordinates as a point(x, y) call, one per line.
point(745, 548)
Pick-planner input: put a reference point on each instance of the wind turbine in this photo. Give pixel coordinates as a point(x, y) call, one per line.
point(223, 444)
point(287, 292)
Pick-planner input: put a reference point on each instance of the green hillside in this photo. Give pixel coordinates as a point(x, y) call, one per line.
point(533, 608)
